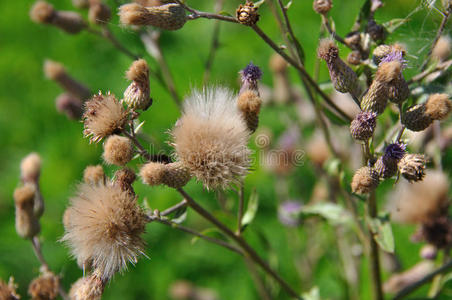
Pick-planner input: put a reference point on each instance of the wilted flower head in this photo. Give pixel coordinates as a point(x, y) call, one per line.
point(364, 181)
point(45, 287)
point(87, 288)
point(211, 138)
point(247, 13)
point(412, 167)
point(8, 290)
point(104, 228)
point(363, 126)
point(395, 151)
point(104, 115)
point(250, 76)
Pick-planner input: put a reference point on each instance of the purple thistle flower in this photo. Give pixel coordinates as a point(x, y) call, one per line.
point(395, 151)
point(250, 76)
point(394, 55)
point(288, 213)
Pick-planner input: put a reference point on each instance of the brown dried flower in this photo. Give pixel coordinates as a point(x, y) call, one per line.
point(30, 168)
point(322, 6)
point(94, 175)
point(118, 150)
point(169, 16)
point(45, 287)
point(8, 290)
point(364, 181)
point(174, 175)
point(104, 115)
point(87, 288)
point(247, 14)
point(27, 225)
point(249, 103)
point(412, 167)
point(438, 106)
point(137, 93)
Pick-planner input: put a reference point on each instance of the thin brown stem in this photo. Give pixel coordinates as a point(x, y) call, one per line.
point(293, 38)
point(174, 208)
point(441, 28)
point(374, 254)
point(250, 252)
point(332, 32)
point(260, 286)
point(200, 14)
point(37, 250)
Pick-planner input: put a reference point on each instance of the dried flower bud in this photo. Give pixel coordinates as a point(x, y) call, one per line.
point(56, 71)
point(174, 175)
point(354, 58)
point(137, 94)
point(353, 39)
point(27, 225)
point(442, 49)
point(169, 16)
point(94, 175)
point(364, 181)
point(412, 167)
point(363, 126)
point(87, 288)
point(124, 179)
point(386, 165)
point(118, 150)
point(104, 115)
point(8, 290)
point(250, 77)
point(278, 64)
point(68, 21)
point(438, 106)
point(416, 119)
point(249, 103)
point(30, 168)
point(247, 14)
point(377, 32)
point(99, 13)
point(45, 287)
point(69, 105)
point(342, 76)
point(80, 3)
point(322, 6)
point(438, 232)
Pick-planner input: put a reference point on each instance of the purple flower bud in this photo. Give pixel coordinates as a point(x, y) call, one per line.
point(394, 55)
point(395, 151)
point(250, 76)
point(288, 213)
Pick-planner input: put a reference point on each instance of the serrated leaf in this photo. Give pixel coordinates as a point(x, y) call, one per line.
point(251, 210)
point(334, 213)
point(382, 232)
point(313, 294)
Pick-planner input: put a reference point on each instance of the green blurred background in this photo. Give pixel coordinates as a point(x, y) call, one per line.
point(29, 122)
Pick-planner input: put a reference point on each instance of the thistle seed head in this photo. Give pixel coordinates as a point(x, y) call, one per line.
point(363, 126)
point(137, 94)
point(94, 175)
point(412, 167)
point(118, 150)
point(249, 103)
point(45, 287)
point(438, 106)
point(8, 290)
point(442, 49)
point(364, 181)
point(168, 16)
point(104, 115)
point(87, 288)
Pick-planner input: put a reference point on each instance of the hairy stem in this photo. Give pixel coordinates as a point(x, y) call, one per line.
point(374, 254)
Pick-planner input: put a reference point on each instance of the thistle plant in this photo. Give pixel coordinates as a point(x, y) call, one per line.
point(358, 128)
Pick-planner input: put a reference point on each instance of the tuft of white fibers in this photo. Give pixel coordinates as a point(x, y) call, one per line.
point(211, 138)
point(104, 227)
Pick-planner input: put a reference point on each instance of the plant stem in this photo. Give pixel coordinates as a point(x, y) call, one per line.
point(37, 249)
point(427, 278)
point(174, 208)
point(106, 34)
point(374, 254)
point(330, 30)
point(250, 252)
point(295, 42)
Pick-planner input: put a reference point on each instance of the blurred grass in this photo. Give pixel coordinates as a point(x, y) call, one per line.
point(29, 122)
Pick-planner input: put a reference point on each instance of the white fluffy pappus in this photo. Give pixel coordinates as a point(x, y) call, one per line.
point(211, 138)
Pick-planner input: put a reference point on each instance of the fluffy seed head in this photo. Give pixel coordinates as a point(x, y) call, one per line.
point(94, 175)
point(364, 181)
point(363, 126)
point(104, 115)
point(211, 138)
point(443, 48)
point(8, 290)
point(247, 14)
point(438, 106)
point(105, 228)
point(421, 201)
point(152, 173)
point(168, 16)
point(87, 288)
point(412, 167)
point(118, 150)
point(322, 6)
point(328, 50)
point(42, 12)
point(30, 167)
point(45, 287)
point(99, 13)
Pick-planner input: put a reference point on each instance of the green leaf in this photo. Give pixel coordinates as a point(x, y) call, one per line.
point(334, 118)
point(313, 294)
point(253, 204)
point(382, 232)
point(334, 213)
